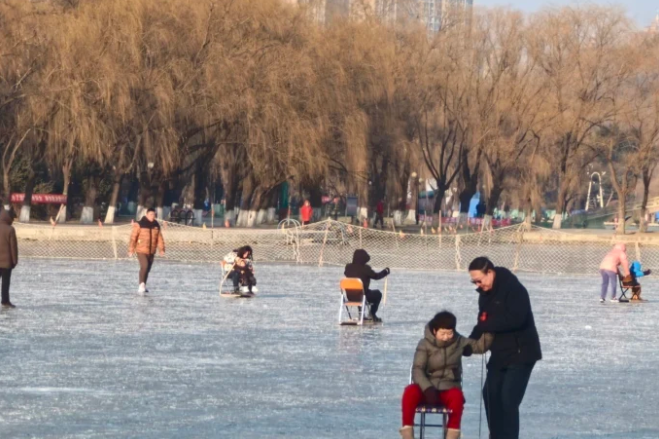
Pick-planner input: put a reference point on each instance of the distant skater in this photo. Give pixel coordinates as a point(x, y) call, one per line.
point(145, 239)
point(8, 254)
point(359, 268)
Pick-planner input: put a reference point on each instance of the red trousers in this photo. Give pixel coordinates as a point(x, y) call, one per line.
point(452, 399)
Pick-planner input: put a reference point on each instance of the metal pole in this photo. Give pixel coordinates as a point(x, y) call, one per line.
point(599, 176)
point(425, 209)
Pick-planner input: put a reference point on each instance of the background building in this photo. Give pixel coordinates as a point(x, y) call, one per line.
point(433, 14)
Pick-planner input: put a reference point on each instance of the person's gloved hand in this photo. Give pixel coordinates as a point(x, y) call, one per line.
point(647, 272)
point(467, 351)
point(387, 270)
point(431, 395)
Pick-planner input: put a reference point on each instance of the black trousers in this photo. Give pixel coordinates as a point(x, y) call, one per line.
point(374, 297)
point(248, 277)
point(503, 394)
point(146, 261)
point(378, 219)
point(5, 274)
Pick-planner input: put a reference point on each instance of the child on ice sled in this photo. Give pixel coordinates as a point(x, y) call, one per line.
point(635, 271)
point(437, 372)
point(242, 272)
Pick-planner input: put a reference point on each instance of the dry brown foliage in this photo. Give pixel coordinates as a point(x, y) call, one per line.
point(255, 93)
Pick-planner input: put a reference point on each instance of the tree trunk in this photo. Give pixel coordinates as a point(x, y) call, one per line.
point(647, 179)
point(400, 198)
point(262, 207)
point(620, 228)
point(414, 202)
point(362, 199)
point(114, 197)
point(254, 206)
point(162, 212)
point(7, 188)
point(560, 205)
point(437, 206)
point(528, 213)
point(273, 200)
point(27, 201)
point(87, 216)
point(66, 171)
point(199, 196)
point(144, 195)
point(249, 186)
point(492, 201)
point(228, 176)
point(465, 200)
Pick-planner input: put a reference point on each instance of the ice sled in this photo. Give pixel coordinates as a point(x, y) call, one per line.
point(226, 286)
point(242, 294)
point(427, 409)
point(353, 296)
point(630, 285)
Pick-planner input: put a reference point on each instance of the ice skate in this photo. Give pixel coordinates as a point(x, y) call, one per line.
point(602, 300)
point(8, 305)
point(615, 300)
point(142, 288)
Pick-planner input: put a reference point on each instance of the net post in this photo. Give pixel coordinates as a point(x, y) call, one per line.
point(457, 252)
point(114, 242)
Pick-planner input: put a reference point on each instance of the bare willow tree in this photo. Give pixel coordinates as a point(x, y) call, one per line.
point(510, 98)
point(574, 50)
point(176, 95)
point(641, 115)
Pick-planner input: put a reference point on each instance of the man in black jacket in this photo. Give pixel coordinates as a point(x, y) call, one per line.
point(360, 269)
point(505, 311)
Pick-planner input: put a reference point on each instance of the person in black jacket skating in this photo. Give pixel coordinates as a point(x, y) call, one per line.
point(359, 268)
point(505, 311)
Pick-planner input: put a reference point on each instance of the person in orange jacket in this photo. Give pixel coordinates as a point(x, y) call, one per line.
point(145, 239)
point(306, 213)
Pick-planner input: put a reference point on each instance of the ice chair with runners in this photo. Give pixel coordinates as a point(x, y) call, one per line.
point(428, 409)
point(631, 283)
point(353, 296)
point(226, 287)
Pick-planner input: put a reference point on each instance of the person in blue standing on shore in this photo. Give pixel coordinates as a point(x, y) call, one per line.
point(504, 310)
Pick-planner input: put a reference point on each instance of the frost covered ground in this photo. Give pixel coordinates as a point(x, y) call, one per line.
point(85, 357)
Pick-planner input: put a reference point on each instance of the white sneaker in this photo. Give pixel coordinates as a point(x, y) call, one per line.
point(614, 300)
point(602, 300)
point(142, 288)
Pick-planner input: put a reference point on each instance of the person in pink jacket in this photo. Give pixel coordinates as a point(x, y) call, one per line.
point(609, 270)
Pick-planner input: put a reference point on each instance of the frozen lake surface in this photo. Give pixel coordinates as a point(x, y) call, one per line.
point(83, 356)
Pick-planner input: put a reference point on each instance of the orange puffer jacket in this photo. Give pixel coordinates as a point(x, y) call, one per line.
point(146, 237)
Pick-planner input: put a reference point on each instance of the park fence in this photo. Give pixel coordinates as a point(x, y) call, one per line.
point(333, 243)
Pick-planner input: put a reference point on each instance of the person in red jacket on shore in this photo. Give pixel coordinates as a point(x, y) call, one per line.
point(306, 213)
point(379, 214)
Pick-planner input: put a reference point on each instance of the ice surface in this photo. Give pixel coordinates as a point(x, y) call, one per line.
point(83, 356)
